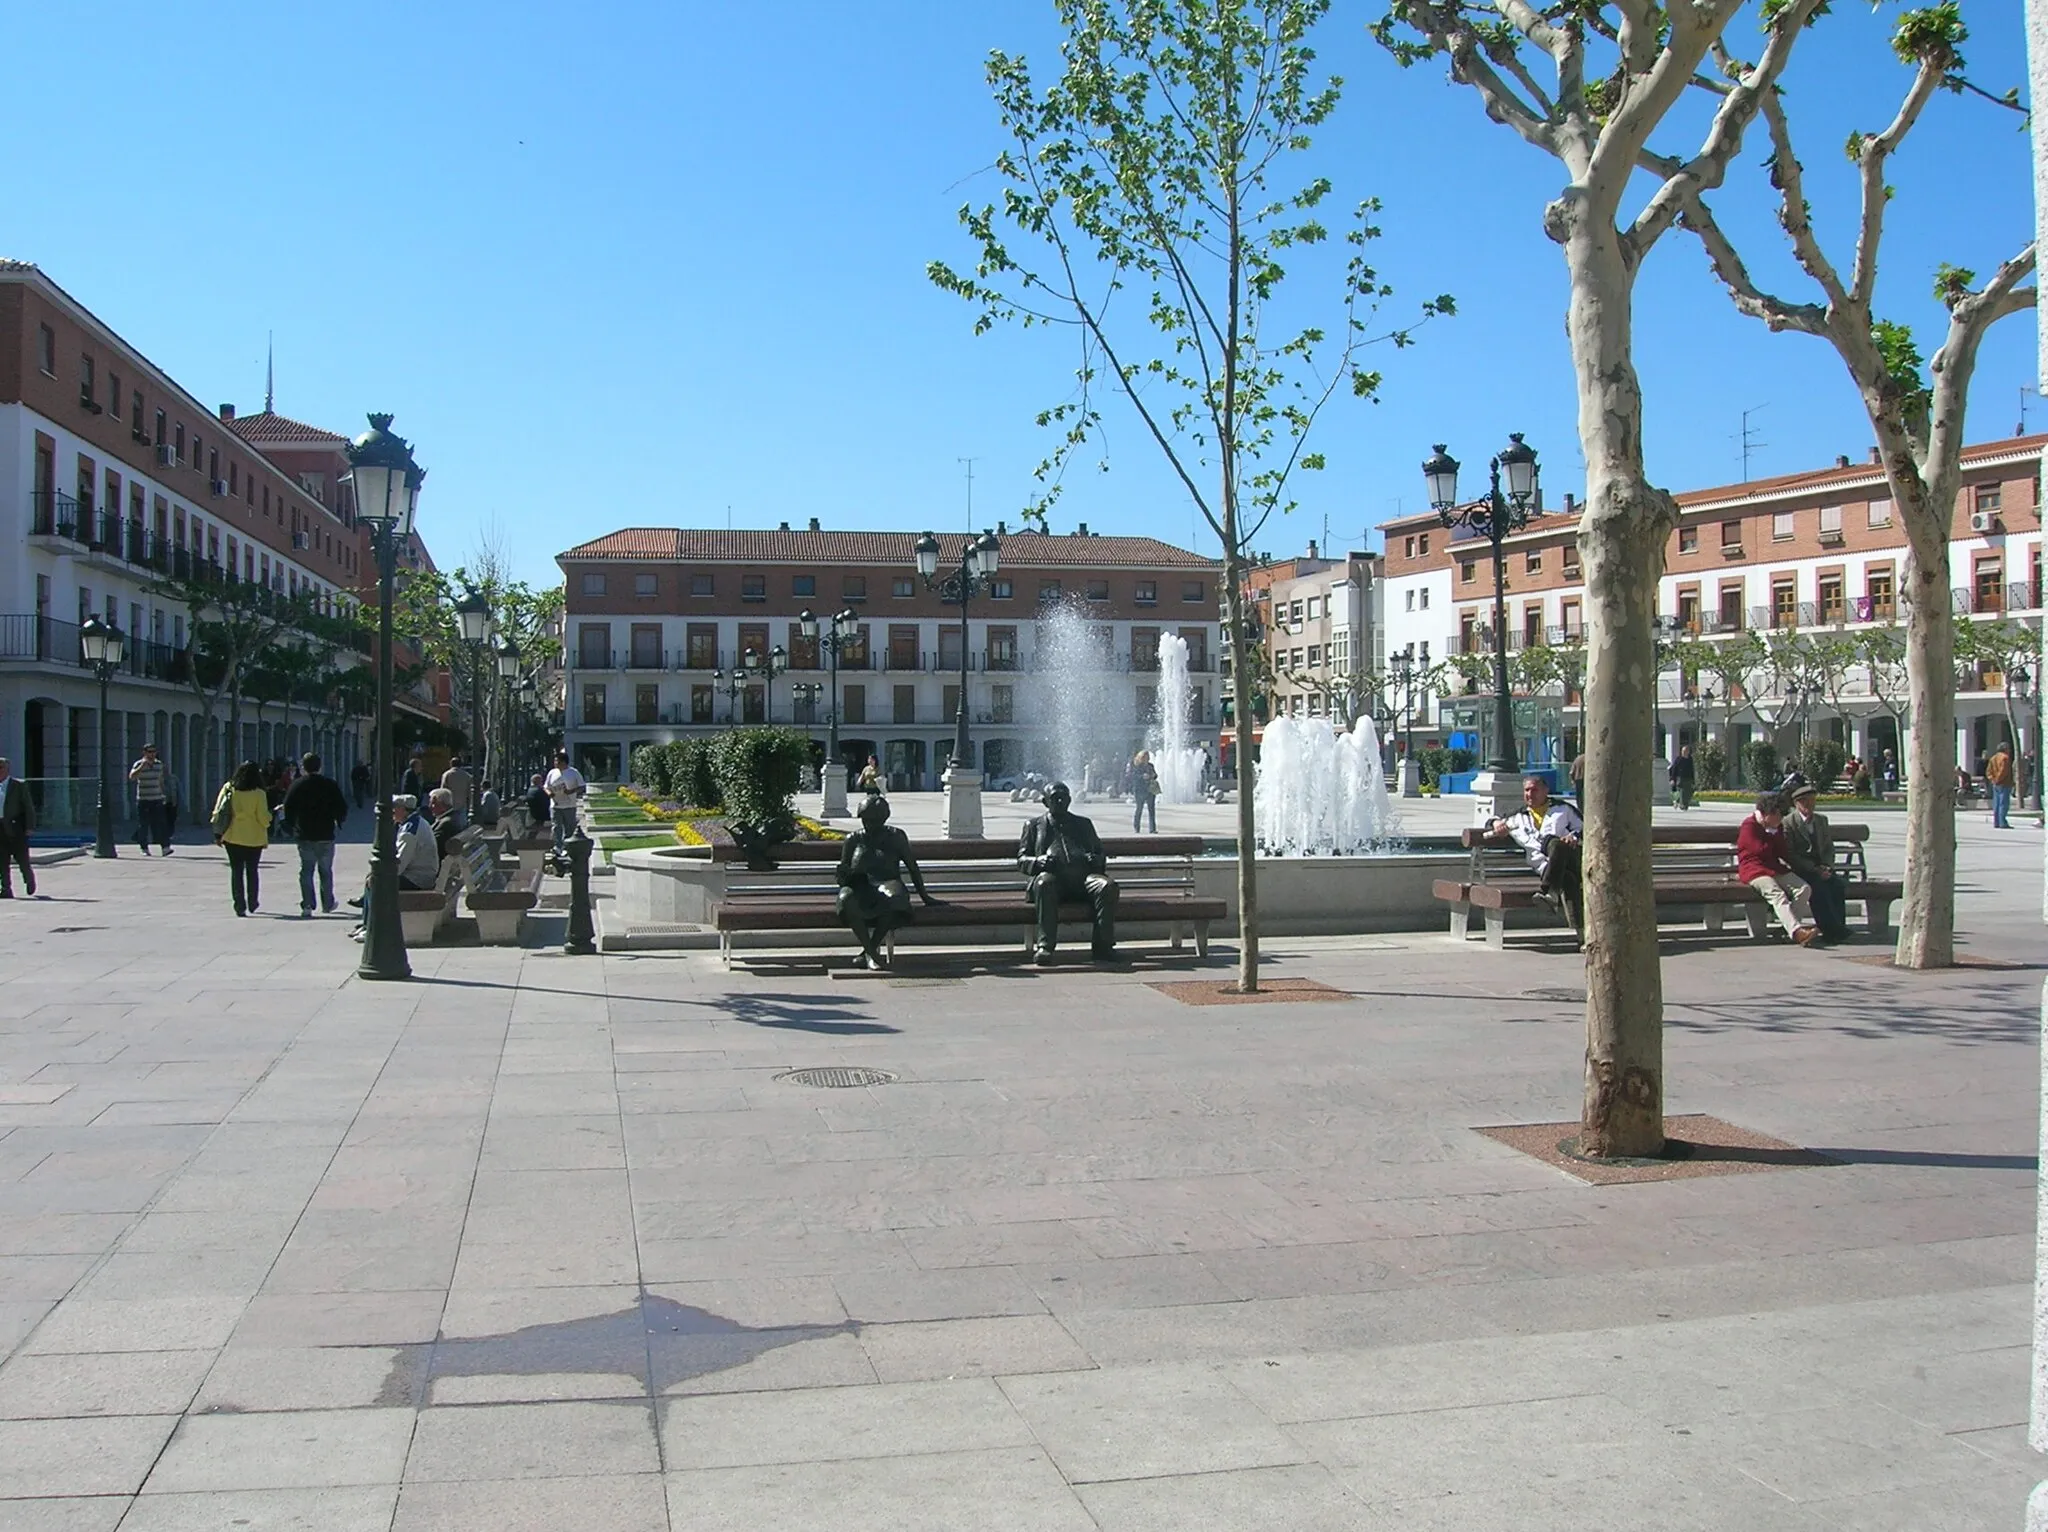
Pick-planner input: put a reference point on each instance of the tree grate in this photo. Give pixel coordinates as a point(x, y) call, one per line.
point(837, 1077)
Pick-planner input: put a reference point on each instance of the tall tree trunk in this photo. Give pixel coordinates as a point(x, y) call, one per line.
point(1927, 913)
point(1621, 540)
point(1241, 725)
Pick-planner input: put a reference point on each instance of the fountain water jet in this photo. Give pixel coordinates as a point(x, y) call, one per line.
point(1320, 793)
point(1174, 754)
point(1073, 682)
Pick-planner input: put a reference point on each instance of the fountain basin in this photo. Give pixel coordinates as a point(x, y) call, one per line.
point(1298, 895)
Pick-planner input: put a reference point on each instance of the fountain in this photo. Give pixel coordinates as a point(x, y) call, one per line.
point(1172, 744)
point(1321, 793)
point(1075, 700)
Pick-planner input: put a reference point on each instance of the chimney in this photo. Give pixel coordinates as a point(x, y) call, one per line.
point(1081, 530)
point(1311, 547)
point(1876, 456)
point(814, 524)
point(782, 527)
point(227, 412)
point(1002, 529)
point(1842, 460)
point(1571, 503)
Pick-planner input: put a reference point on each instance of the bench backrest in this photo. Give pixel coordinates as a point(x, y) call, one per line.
point(1674, 850)
point(472, 860)
point(959, 869)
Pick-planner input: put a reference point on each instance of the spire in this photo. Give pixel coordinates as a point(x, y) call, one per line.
point(270, 373)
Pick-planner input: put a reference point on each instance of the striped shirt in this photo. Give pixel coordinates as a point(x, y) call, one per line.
point(149, 777)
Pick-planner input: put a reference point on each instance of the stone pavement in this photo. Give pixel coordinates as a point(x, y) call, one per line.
point(541, 1242)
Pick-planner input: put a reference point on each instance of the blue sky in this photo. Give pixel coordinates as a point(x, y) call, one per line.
point(643, 263)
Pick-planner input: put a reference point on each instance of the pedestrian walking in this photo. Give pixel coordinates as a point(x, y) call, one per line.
point(566, 788)
point(152, 782)
point(460, 784)
point(313, 810)
point(17, 819)
point(1998, 776)
point(1684, 774)
point(1144, 791)
point(359, 780)
point(414, 783)
point(241, 824)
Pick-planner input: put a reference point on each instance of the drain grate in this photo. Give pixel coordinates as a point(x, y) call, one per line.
point(1561, 996)
point(837, 1077)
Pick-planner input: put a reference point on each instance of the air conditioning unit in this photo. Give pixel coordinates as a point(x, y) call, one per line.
point(300, 540)
point(1983, 521)
point(219, 487)
point(163, 454)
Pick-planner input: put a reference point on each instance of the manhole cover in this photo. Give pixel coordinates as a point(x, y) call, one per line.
point(837, 1077)
point(1561, 996)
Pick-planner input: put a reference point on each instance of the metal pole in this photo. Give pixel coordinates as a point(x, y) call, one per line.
point(1505, 756)
point(383, 935)
point(103, 819)
point(831, 642)
point(581, 934)
point(960, 741)
point(476, 728)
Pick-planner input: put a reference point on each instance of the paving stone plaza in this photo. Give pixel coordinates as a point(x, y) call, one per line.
point(541, 1242)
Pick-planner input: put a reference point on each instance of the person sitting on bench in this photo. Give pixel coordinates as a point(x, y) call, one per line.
point(1549, 830)
point(872, 899)
point(1064, 859)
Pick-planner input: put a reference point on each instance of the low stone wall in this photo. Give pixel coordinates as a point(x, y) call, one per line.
point(1298, 896)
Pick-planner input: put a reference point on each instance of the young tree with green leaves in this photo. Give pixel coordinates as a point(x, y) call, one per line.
point(1916, 409)
point(1591, 84)
point(1151, 193)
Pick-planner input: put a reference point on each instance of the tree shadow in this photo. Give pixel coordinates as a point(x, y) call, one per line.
point(1972, 1013)
point(1934, 1158)
point(797, 1013)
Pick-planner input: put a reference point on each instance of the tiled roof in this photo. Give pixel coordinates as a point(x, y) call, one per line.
point(1854, 473)
point(12, 265)
point(1030, 550)
point(279, 430)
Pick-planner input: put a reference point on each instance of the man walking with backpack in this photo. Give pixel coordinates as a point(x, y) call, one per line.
point(313, 810)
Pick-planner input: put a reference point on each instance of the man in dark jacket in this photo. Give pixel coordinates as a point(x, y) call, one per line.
point(17, 819)
point(1810, 848)
point(1064, 858)
point(1684, 777)
point(313, 810)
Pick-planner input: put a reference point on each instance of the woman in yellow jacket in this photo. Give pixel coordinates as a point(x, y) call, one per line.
point(241, 823)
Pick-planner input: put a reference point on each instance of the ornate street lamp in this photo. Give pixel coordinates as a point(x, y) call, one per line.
point(473, 614)
point(1504, 511)
point(102, 646)
point(1409, 668)
point(767, 668)
point(732, 682)
point(2018, 683)
point(508, 676)
point(386, 484)
point(980, 557)
point(529, 697)
point(843, 632)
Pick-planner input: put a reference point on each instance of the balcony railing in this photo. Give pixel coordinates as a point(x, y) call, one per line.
point(25, 637)
point(53, 515)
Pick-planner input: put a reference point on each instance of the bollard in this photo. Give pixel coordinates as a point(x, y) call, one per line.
point(581, 932)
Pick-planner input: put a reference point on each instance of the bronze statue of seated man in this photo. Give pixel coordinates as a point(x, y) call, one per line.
point(1064, 858)
point(873, 900)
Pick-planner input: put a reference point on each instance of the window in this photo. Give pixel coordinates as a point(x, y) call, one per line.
point(1002, 590)
point(700, 644)
point(1468, 571)
point(1781, 525)
point(1830, 591)
point(1315, 607)
point(1988, 586)
point(645, 584)
point(135, 414)
point(1098, 590)
point(593, 704)
point(212, 463)
point(1880, 513)
point(1831, 523)
point(854, 588)
point(1574, 624)
point(1294, 614)
point(114, 393)
point(1411, 601)
point(1002, 704)
point(1532, 563)
point(1144, 648)
point(1731, 537)
point(856, 709)
point(700, 704)
point(1148, 593)
point(1785, 602)
point(902, 586)
point(753, 587)
point(593, 583)
point(647, 704)
point(234, 477)
point(178, 450)
point(159, 428)
point(646, 642)
point(905, 700)
point(1002, 648)
point(1989, 497)
point(1408, 548)
point(1422, 545)
point(594, 646)
point(700, 585)
point(1192, 590)
point(1048, 592)
point(1425, 598)
point(1315, 655)
point(1688, 539)
point(803, 585)
point(46, 350)
point(1879, 602)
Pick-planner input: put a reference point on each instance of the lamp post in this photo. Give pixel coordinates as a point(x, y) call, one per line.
point(473, 613)
point(508, 676)
point(102, 646)
point(980, 557)
point(732, 683)
point(386, 484)
point(767, 667)
point(2018, 685)
point(1409, 667)
point(1497, 517)
point(522, 739)
point(844, 630)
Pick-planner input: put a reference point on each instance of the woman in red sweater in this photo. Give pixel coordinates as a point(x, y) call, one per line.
point(1760, 859)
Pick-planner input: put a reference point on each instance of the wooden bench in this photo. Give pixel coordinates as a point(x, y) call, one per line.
point(1693, 865)
point(980, 886)
point(424, 913)
point(496, 895)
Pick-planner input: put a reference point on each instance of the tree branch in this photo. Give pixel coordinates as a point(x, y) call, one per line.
point(1777, 313)
point(1647, 97)
point(1792, 209)
point(1969, 317)
point(1871, 160)
point(1448, 30)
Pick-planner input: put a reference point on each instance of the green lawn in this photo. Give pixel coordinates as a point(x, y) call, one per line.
point(636, 843)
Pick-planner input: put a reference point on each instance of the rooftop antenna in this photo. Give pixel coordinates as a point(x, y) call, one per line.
point(1749, 444)
point(269, 371)
point(970, 490)
point(2026, 398)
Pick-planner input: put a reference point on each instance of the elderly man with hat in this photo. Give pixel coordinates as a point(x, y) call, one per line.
point(1810, 848)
